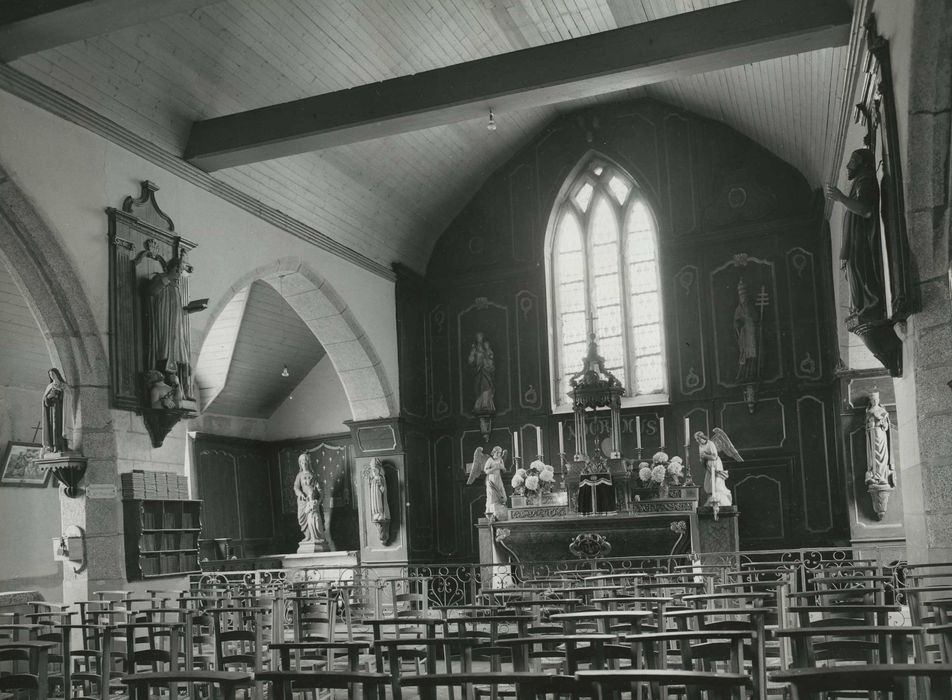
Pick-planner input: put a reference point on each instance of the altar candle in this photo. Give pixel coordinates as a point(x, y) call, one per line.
point(687, 430)
point(515, 444)
point(637, 431)
point(539, 440)
point(561, 440)
point(661, 430)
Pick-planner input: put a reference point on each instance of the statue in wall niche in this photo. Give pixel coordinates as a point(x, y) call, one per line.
point(483, 361)
point(879, 468)
point(164, 390)
point(715, 476)
point(310, 502)
point(745, 328)
point(861, 253)
point(379, 508)
point(54, 439)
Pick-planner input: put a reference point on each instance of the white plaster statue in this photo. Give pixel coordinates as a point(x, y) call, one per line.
point(492, 467)
point(715, 477)
point(878, 460)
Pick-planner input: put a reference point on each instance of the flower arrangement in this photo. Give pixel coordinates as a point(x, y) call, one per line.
point(662, 472)
point(534, 481)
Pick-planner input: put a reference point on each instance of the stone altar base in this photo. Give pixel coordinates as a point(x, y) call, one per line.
point(303, 560)
point(312, 547)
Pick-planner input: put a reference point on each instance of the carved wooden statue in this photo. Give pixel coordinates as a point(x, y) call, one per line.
point(54, 439)
point(880, 475)
point(379, 508)
point(310, 503)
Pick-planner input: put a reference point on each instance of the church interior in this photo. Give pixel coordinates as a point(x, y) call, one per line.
point(510, 347)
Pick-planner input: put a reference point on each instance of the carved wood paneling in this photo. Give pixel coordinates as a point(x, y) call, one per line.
point(815, 467)
point(635, 136)
point(689, 331)
point(806, 345)
point(446, 477)
point(420, 487)
point(491, 319)
point(760, 282)
point(761, 500)
point(680, 181)
point(764, 428)
point(530, 385)
point(441, 363)
point(412, 323)
point(523, 210)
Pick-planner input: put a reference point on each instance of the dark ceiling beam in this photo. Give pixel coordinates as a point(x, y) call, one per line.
point(695, 42)
point(31, 26)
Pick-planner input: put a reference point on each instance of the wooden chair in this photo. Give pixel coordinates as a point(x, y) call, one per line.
point(33, 654)
point(895, 679)
point(227, 682)
point(719, 686)
point(284, 683)
point(526, 685)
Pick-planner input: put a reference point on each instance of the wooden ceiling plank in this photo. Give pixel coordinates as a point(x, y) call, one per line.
point(706, 40)
point(62, 22)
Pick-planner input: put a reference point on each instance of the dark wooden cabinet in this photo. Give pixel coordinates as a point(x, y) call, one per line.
point(161, 537)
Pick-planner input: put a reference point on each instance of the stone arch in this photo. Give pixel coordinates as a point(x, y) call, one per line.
point(44, 273)
point(332, 323)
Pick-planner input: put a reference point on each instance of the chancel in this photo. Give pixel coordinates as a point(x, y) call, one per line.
point(588, 322)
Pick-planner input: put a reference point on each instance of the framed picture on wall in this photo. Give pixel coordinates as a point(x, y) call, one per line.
point(19, 465)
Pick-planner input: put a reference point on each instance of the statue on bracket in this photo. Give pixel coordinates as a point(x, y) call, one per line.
point(150, 347)
point(745, 328)
point(715, 476)
point(483, 361)
point(862, 259)
point(54, 438)
point(880, 475)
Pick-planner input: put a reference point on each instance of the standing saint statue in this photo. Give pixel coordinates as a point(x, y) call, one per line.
point(745, 328)
point(309, 506)
point(483, 361)
point(493, 467)
point(54, 439)
point(168, 338)
point(861, 253)
point(879, 470)
point(377, 499)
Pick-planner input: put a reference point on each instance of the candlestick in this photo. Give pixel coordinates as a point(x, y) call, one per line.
point(561, 439)
point(515, 444)
point(661, 430)
point(539, 440)
point(687, 430)
point(638, 432)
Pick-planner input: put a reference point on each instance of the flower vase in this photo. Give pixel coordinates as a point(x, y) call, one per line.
point(518, 501)
point(663, 490)
point(533, 498)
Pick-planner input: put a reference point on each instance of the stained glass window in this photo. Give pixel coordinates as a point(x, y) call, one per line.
point(605, 279)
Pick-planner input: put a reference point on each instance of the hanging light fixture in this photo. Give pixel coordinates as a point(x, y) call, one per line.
point(492, 121)
point(284, 372)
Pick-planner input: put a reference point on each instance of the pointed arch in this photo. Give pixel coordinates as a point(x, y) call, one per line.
point(323, 311)
point(603, 277)
point(44, 273)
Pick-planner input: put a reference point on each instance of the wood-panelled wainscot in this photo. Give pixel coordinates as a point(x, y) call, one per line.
point(726, 210)
point(247, 489)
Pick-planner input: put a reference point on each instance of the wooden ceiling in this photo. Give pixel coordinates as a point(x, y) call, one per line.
point(261, 337)
point(389, 198)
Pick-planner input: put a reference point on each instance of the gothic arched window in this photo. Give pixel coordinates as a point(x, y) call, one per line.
point(602, 267)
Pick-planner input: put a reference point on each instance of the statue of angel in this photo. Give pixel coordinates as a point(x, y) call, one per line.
point(492, 466)
point(715, 478)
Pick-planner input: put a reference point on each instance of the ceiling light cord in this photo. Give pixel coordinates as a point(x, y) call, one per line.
point(491, 125)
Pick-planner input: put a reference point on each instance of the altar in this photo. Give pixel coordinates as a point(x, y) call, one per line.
point(663, 528)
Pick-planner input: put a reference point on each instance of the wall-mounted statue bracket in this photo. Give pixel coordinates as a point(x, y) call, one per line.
point(149, 308)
